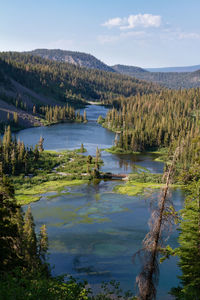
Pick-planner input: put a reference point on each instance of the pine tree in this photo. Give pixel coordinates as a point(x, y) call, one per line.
point(43, 243)
point(36, 153)
point(82, 150)
point(10, 255)
point(30, 239)
point(189, 250)
point(15, 117)
point(40, 144)
point(98, 155)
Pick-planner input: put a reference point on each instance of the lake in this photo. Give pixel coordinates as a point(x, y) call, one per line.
point(94, 232)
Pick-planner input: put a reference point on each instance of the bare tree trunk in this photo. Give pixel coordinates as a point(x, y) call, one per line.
point(160, 219)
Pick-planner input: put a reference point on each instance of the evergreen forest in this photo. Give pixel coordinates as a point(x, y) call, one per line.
point(146, 118)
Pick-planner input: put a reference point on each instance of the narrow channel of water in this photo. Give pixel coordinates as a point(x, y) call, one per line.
point(94, 232)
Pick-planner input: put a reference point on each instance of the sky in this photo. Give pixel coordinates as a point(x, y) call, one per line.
point(144, 33)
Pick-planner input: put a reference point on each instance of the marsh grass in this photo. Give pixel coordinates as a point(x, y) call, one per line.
point(140, 182)
point(52, 173)
point(117, 150)
point(133, 188)
point(25, 194)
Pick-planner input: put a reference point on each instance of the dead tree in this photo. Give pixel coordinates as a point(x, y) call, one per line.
point(161, 221)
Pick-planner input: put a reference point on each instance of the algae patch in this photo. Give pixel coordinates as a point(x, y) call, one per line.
point(133, 188)
point(25, 195)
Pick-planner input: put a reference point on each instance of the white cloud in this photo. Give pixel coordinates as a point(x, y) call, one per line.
point(115, 22)
point(128, 31)
point(133, 21)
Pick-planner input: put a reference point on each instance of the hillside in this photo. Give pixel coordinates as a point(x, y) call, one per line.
point(69, 83)
point(16, 99)
point(77, 58)
point(172, 80)
point(128, 70)
point(27, 81)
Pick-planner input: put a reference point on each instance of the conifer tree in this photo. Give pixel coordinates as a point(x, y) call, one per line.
point(30, 239)
point(82, 148)
point(36, 153)
point(10, 255)
point(98, 155)
point(43, 243)
point(40, 144)
point(15, 117)
point(34, 109)
point(189, 250)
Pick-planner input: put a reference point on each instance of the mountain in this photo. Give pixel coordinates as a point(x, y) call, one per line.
point(29, 80)
point(77, 58)
point(128, 70)
point(175, 69)
point(172, 80)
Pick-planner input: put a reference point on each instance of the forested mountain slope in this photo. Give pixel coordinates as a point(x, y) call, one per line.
point(69, 82)
point(77, 58)
point(129, 70)
point(172, 80)
point(28, 81)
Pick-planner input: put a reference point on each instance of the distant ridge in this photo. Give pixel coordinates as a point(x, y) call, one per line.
point(77, 58)
point(172, 80)
point(172, 77)
point(175, 69)
point(128, 69)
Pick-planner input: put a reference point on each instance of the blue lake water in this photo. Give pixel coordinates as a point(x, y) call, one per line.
point(94, 232)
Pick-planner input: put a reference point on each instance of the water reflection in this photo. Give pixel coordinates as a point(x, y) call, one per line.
point(92, 231)
point(71, 135)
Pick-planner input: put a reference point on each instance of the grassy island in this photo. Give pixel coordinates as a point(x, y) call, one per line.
point(52, 173)
point(117, 150)
point(138, 183)
point(34, 172)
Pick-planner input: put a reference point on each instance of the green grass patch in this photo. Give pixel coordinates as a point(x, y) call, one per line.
point(52, 173)
point(117, 150)
point(162, 154)
point(145, 177)
point(26, 195)
point(133, 188)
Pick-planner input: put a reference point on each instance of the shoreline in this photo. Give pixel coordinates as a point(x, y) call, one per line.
point(160, 152)
point(53, 181)
point(54, 171)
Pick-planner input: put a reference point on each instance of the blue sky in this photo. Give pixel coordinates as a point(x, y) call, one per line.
point(146, 33)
